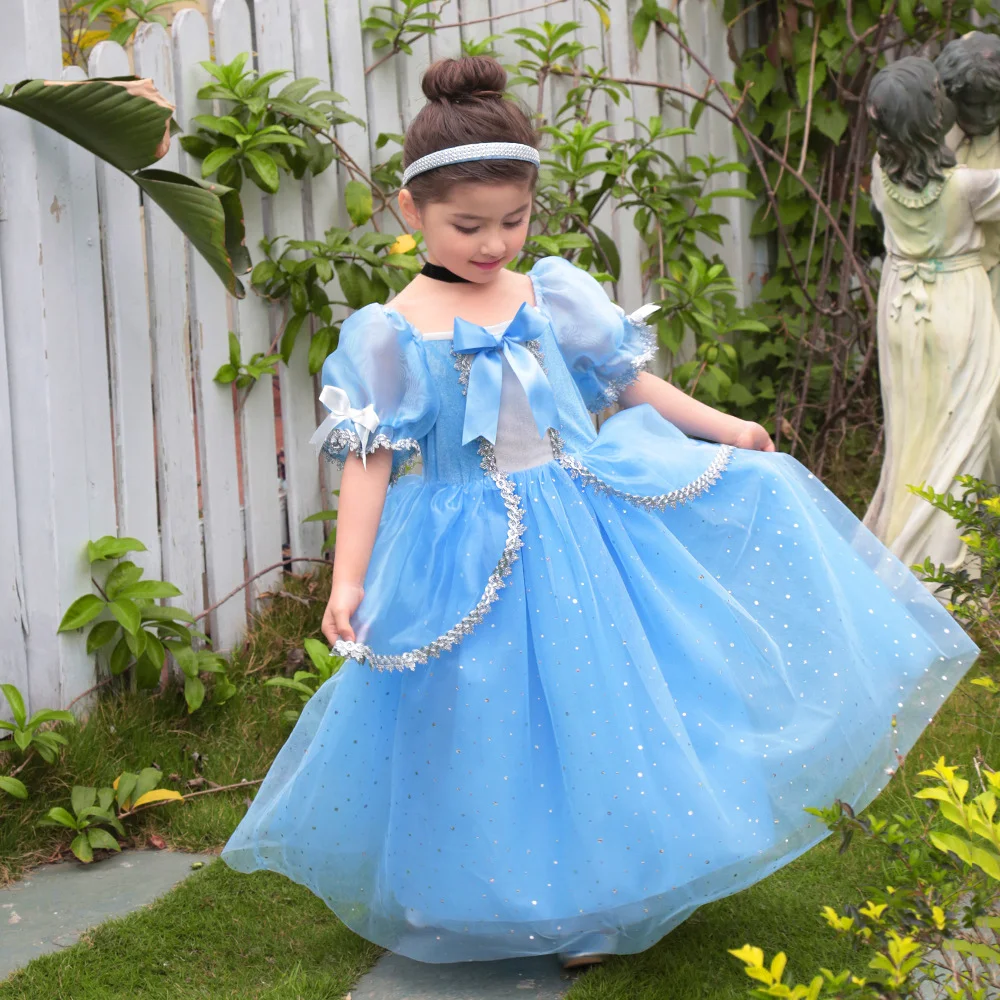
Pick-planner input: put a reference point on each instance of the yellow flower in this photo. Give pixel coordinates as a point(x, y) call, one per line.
point(403, 244)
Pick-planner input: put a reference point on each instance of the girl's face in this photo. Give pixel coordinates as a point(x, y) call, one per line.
point(477, 231)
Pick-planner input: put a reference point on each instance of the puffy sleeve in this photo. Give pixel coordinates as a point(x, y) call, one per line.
point(604, 349)
point(378, 390)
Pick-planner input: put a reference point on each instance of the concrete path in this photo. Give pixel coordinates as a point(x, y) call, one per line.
point(397, 978)
point(50, 908)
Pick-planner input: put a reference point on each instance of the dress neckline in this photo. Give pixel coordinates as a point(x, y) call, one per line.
point(437, 335)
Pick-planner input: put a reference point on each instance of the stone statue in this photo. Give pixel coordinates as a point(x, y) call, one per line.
point(938, 334)
point(969, 68)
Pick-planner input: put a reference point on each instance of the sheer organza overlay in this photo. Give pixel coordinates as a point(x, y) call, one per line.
point(690, 645)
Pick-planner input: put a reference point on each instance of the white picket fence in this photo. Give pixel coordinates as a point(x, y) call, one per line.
point(111, 329)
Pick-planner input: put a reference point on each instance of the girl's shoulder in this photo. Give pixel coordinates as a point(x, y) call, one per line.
point(376, 320)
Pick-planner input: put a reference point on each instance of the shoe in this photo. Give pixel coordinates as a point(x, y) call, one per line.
point(580, 961)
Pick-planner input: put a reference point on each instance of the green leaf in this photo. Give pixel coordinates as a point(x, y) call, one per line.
point(109, 547)
point(120, 658)
point(52, 715)
point(149, 590)
point(265, 168)
point(101, 838)
point(83, 610)
point(82, 796)
point(114, 119)
point(830, 118)
point(13, 786)
point(358, 198)
point(59, 815)
point(124, 574)
point(209, 215)
point(81, 848)
point(323, 515)
point(224, 690)
point(126, 785)
point(16, 703)
point(194, 693)
point(610, 251)
point(215, 159)
point(641, 24)
point(157, 612)
point(290, 335)
point(225, 375)
point(148, 779)
point(127, 614)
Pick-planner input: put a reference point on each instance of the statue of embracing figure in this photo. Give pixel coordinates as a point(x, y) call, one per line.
point(938, 333)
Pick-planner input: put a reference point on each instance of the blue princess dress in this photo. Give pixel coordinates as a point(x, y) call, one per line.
point(598, 676)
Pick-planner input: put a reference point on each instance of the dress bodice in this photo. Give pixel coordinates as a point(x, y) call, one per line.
point(410, 390)
point(519, 444)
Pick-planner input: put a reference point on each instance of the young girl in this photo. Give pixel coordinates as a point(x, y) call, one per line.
point(593, 679)
point(939, 338)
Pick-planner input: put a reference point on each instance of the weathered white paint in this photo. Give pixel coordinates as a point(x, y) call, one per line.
point(299, 391)
point(13, 614)
point(209, 324)
point(252, 324)
point(129, 352)
point(177, 466)
point(43, 365)
point(92, 342)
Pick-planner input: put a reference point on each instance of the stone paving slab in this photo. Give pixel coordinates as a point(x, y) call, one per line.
point(50, 908)
point(398, 978)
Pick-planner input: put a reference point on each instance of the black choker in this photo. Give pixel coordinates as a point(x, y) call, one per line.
point(439, 273)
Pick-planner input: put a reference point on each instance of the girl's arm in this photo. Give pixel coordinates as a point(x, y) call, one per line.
point(693, 418)
point(362, 497)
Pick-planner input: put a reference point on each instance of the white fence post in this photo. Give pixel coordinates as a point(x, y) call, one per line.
point(220, 488)
point(129, 346)
point(272, 20)
point(177, 466)
point(43, 364)
point(262, 512)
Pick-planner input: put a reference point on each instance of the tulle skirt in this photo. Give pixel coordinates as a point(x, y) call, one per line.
point(634, 727)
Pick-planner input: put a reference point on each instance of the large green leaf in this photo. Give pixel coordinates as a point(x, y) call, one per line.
point(127, 123)
point(122, 120)
point(209, 215)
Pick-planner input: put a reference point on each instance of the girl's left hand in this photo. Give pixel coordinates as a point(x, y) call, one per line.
point(753, 437)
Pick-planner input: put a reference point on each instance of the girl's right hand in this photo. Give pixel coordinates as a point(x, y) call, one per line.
point(344, 601)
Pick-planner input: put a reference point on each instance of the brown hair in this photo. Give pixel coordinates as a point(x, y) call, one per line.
point(466, 104)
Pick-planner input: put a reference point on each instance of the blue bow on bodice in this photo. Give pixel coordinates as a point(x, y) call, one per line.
point(482, 404)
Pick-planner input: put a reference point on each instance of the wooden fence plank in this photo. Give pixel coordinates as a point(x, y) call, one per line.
point(13, 614)
point(177, 467)
point(209, 325)
point(298, 388)
point(93, 345)
point(349, 79)
point(129, 350)
point(321, 194)
point(446, 43)
point(43, 366)
point(261, 505)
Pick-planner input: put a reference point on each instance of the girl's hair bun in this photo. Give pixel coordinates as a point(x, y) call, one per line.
point(469, 78)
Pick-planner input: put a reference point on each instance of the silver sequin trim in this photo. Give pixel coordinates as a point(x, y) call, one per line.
point(515, 529)
point(463, 365)
point(340, 441)
point(684, 494)
point(618, 385)
point(463, 362)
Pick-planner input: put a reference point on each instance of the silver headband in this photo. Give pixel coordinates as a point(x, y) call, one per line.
point(472, 151)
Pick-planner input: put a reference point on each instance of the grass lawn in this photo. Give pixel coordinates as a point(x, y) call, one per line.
point(222, 934)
